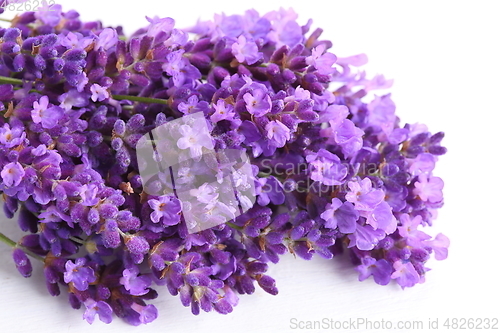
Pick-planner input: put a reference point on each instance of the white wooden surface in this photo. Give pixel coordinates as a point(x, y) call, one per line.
point(444, 57)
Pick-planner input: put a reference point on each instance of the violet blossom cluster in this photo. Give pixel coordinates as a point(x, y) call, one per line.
point(77, 97)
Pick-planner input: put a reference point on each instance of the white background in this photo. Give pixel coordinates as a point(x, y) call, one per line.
point(444, 57)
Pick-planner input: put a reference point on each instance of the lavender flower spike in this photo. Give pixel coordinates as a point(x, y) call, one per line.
point(191, 159)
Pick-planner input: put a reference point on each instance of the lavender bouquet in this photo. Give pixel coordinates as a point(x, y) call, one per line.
point(193, 158)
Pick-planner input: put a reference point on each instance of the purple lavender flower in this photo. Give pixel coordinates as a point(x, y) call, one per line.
point(98, 93)
point(365, 237)
point(75, 40)
point(381, 114)
point(49, 14)
point(79, 274)
point(270, 190)
point(258, 103)
point(23, 264)
point(159, 25)
point(381, 270)
point(73, 98)
point(206, 193)
point(11, 136)
point(341, 215)
point(342, 132)
point(423, 163)
point(285, 29)
point(136, 285)
point(12, 174)
point(326, 167)
point(189, 106)
point(222, 111)
point(194, 140)
point(106, 39)
point(277, 133)
point(166, 209)
point(179, 68)
point(261, 85)
point(47, 115)
point(88, 193)
point(100, 308)
point(137, 246)
point(405, 274)
point(409, 230)
point(53, 214)
point(439, 245)
point(381, 217)
point(363, 196)
point(429, 188)
point(321, 60)
point(348, 137)
point(175, 63)
point(246, 51)
point(147, 314)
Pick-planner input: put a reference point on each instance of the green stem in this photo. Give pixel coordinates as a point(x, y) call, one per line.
point(10, 80)
point(13, 244)
point(140, 99)
point(77, 240)
point(5, 20)
point(7, 240)
point(234, 226)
